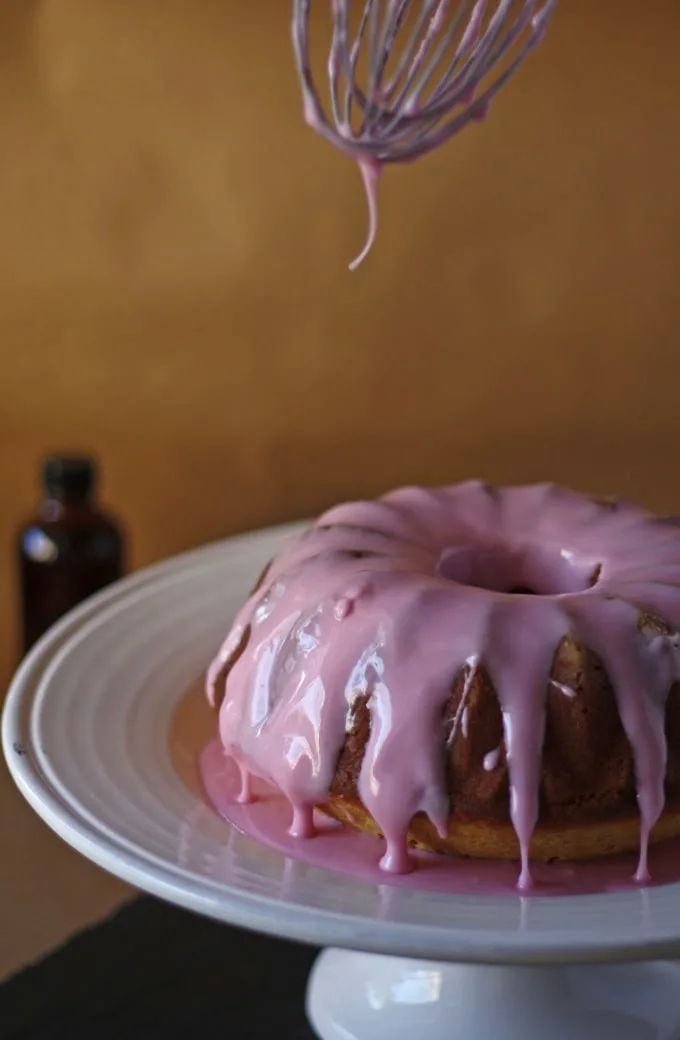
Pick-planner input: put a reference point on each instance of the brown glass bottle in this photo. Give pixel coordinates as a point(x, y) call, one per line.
point(68, 550)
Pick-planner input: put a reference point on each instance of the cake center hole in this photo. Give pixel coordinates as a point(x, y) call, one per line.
point(529, 571)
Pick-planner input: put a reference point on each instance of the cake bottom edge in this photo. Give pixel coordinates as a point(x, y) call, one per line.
point(476, 839)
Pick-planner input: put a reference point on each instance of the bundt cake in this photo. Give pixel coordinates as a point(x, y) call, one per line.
point(482, 671)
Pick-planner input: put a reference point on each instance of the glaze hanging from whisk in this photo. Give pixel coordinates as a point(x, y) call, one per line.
point(405, 76)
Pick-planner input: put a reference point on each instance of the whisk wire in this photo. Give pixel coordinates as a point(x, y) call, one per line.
point(413, 101)
point(395, 108)
point(409, 96)
point(393, 26)
point(392, 32)
point(482, 58)
point(350, 73)
point(434, 63)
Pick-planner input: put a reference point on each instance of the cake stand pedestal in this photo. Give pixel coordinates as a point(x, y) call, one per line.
point(362, 996)
point(85, 731)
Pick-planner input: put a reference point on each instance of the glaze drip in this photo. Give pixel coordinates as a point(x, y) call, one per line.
point(359, 606)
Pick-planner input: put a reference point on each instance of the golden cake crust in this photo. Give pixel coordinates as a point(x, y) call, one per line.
point(490, 839)
point(588, 800)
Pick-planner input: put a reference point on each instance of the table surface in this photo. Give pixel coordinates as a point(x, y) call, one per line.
point(154, 972)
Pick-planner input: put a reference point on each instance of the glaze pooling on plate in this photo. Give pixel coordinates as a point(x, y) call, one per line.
point(391, 600)
point(343, 850)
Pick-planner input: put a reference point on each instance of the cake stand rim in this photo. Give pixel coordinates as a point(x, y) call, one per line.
point(258, 913)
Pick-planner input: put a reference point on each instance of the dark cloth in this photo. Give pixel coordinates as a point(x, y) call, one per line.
point(153, 972)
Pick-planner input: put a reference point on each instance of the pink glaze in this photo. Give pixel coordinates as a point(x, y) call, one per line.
point(345, 851)
point(370, 172)
point(435, 575)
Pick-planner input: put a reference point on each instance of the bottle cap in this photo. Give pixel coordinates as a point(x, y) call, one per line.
point(69, 476)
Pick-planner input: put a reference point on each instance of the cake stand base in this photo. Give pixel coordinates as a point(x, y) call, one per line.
point(361, 996)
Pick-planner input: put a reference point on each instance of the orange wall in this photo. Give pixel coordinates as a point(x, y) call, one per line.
point(174, 292)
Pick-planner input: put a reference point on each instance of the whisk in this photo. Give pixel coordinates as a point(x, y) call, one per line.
point(407, 75)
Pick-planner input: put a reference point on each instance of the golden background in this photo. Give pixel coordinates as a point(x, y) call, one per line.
point(174, 292)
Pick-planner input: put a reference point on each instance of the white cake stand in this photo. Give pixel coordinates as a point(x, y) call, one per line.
point(85, 735)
